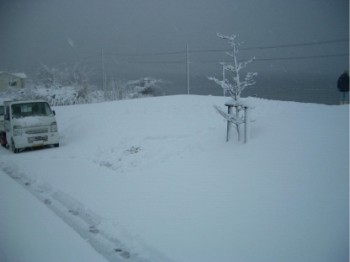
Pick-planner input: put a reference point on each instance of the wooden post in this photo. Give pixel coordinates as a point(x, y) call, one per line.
point(238, 126)
point(246, 124)
point(229, 111)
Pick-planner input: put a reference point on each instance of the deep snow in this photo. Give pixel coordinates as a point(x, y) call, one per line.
point(164, 182)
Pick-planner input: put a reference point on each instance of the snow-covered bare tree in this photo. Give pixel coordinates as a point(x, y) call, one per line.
point(66, 84)
point(62, 76)
point(236, 84)
point(113, 90)
point(48, 76)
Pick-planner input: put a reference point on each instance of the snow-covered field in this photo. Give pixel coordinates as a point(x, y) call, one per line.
point(154, 180)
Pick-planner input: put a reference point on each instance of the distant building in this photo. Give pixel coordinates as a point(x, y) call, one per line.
point(16, 80)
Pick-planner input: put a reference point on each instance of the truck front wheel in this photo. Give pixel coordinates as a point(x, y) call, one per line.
point(3, 141)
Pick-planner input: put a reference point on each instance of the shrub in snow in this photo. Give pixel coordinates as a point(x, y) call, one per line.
point(55, 95)
point(144, 87)
point(69, 85)
point(235, 84)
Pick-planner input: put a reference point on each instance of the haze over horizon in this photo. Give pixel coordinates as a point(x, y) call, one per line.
point(291, 40)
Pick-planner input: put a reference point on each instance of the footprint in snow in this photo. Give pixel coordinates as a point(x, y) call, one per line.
point(74, 212)
point(133, 150)
point(93, 229)
point(124, 254)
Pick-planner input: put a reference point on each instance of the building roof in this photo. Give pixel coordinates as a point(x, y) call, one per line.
point(19, 75)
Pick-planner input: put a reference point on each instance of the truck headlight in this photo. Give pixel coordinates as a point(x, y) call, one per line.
point(53, 127)
point(17, 130)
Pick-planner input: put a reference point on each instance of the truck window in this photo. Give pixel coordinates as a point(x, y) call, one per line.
point(31, 109)
point(1, 110)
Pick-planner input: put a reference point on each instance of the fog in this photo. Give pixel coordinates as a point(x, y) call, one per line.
point(297, 43)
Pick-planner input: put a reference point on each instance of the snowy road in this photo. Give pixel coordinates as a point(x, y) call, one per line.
point(88, 225)
point(30, 232)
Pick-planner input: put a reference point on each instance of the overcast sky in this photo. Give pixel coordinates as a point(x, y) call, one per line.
point(59, 31)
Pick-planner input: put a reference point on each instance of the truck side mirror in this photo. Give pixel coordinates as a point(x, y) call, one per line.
point(53, 112)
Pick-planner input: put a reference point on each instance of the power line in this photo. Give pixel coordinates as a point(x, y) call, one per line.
point(257, 59)
point(283, 58)
point(302, 57)
point(147, 54)
point(259, 47)
point(183, 52)
point(301, 44)
point(340, 40)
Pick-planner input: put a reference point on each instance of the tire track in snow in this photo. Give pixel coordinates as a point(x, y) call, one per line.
point(82, 220)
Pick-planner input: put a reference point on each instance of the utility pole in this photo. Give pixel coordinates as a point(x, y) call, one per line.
point(187, 70)
point(103, 72)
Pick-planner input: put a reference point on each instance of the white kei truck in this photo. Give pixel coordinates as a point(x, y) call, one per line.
point(28, 124)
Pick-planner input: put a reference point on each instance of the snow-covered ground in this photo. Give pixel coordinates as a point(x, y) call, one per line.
point(154, 180)
point(31, 232)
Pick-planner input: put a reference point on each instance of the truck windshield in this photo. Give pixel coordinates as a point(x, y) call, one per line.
point(30, 109)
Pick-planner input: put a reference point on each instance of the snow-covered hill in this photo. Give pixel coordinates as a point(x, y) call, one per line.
point(154, 180)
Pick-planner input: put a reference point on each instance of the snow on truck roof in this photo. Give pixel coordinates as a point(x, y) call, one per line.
point(25, 101)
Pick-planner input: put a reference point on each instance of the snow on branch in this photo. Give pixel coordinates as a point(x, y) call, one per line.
point(234, 119)
point(231, 39)
point(236, 86)
point(245, 63)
